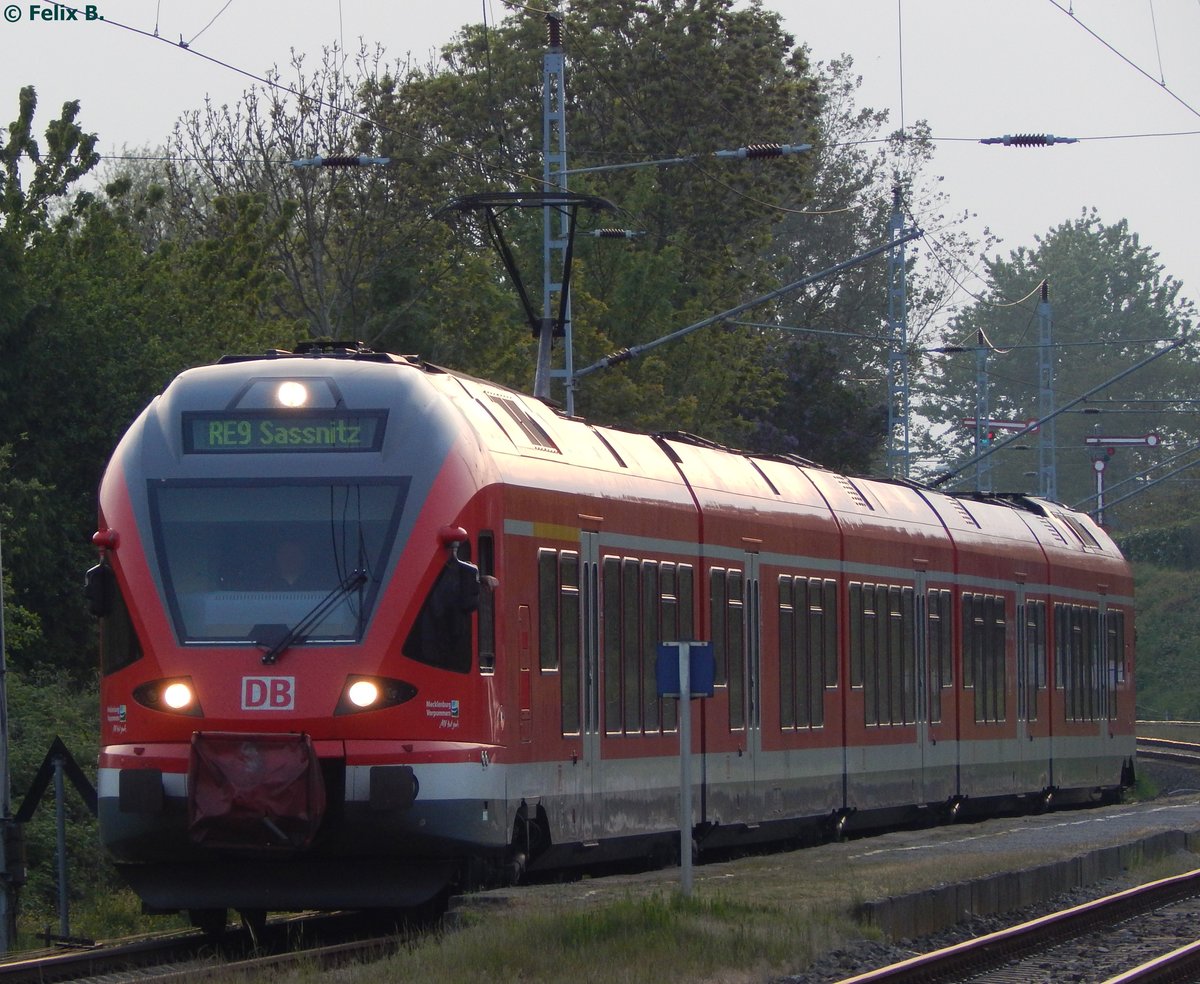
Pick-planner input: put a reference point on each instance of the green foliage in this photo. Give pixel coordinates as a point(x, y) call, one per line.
point(42, 706)
point(1112, 305)
point(93, 326)
point(1168, 630)
point(1175, 546)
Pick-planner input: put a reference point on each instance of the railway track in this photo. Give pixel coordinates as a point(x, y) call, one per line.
point(1134, 935)
point(1169, 750)
point(323, 941)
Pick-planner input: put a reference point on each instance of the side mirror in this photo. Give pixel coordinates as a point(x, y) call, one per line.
point(99, 588)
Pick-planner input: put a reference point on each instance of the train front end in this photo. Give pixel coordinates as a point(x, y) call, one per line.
point(289, 717)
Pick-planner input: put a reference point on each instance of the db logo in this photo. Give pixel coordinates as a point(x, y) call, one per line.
point(268, 693)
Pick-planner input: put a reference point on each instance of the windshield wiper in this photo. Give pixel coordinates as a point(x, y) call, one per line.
point(315, 617)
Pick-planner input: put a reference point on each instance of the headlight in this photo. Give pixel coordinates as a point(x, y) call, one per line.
point(370, 693)
point(173, 696)
point(292, 394)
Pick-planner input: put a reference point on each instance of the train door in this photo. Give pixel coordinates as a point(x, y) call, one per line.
point(936, 741)
point(923, 699)
point(591, 827)
point(752, 650)
point(1033, 751)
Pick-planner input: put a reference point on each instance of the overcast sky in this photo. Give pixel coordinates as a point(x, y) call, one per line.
point(1121, 70)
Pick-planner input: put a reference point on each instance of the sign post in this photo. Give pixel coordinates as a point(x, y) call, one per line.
point(685, 670)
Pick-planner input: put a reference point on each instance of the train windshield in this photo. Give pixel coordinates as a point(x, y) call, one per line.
point(249, 562)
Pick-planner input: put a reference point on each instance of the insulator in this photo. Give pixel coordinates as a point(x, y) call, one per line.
point(1029, 140)
point(615, 233)
point(554, 30)
point(340, 160)
point(764, 150)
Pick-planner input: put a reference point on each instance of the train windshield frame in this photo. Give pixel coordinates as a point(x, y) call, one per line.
point(242, 562)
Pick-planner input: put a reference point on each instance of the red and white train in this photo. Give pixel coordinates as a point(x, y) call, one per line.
point(369, 626)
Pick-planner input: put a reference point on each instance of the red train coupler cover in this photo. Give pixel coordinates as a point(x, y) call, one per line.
point(254, 792)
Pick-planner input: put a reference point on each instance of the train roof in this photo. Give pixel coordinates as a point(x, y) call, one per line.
point(512, 425)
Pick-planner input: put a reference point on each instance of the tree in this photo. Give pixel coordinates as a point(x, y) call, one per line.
point(1112, 306)
point(93, 324)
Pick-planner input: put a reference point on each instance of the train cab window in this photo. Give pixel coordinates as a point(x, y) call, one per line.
point(441, 634)
point(245, 561)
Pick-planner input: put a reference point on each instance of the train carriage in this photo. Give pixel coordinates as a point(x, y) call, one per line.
point(370, 627)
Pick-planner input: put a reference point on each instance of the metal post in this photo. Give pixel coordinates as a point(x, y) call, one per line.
point(60, 817)
point(554, 238)
point(983, 479)
point(685, 768)
point(1047, 473)
point(7, 910)
point(898, 391)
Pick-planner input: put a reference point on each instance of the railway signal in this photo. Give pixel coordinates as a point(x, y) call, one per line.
point(1100, 459)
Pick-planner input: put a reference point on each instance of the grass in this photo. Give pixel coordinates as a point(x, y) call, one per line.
point(108, 916)
point(631, 940)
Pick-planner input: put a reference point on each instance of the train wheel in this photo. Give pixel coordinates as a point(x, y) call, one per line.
point(211, 922)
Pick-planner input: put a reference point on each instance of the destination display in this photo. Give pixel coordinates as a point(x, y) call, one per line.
point(259, 431)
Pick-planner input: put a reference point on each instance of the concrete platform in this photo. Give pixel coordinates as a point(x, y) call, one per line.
point(915, 882)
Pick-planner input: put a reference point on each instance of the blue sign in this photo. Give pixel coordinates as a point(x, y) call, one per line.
point(702, 668)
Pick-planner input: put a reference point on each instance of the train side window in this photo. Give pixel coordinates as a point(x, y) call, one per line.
point(650, 637)
point(487, 603)
point(985, 641)
point(718, 597)
point(787, 653)
point(548, 609)
point(725, 592)
point(909, 642)
point(734, 644)
point(119, 646)
point(970, 634)
point(941, 642)
point(1035, 655)
point(1083, 679)
point(1115, 632)
point(671, 628)
point(611, 600)
point(631, 599)
point(568, 636)
point(874, 634)
point(897, 658)
point(857, 634)
point(829, 639)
